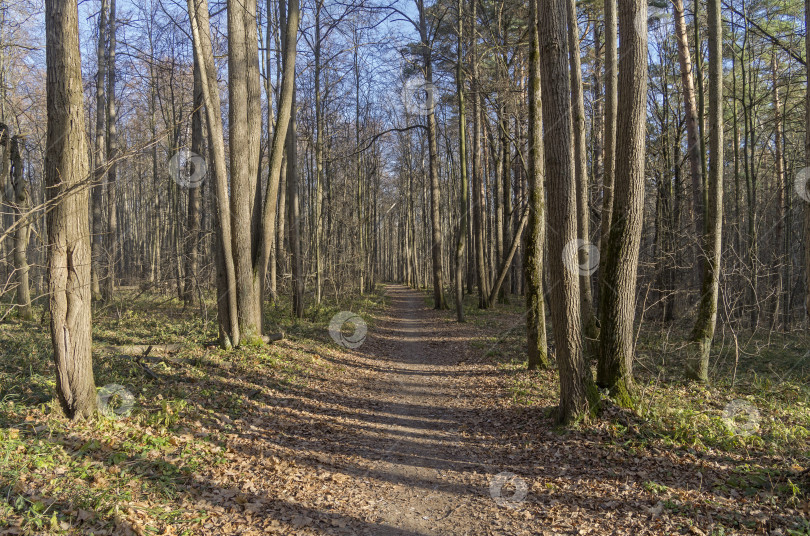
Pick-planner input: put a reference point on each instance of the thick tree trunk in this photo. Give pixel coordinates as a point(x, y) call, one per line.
point(245, 136)
point(577, 392)
point(617, 309)
point(66, 167)
point(703, 332)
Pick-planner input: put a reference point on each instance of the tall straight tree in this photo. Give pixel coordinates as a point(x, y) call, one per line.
point(577, 392)
point(99, 150)
point(244, 120)
point(22, 231)
point(245, 221)
point(194, 201)
point(807, 163)
point(108, 287)
point(536, 226)
point(617, 307)
point(433, 166)
point(609, 137)
point(703, 332)
point(589, 325)
point(66, 167)
point(461, 239)
point(693, 147)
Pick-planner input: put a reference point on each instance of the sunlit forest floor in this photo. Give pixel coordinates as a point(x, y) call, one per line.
point(428, 427)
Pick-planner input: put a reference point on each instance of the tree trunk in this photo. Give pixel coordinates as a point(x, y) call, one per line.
point(693, 146)
point(193, 217)
point(433, 167)
point(611, 106)
point(22, 230)
point(99, 150)
point(66, 167)
point(244, 137)
point(589, 324)
point(108, 287)
point(703, 332)
point(577, 393)
point(289, 19)
point(806, 207)
point(319, 126)
point(294, 223)
point(226, 273)
point(461, 237)
point(617, 309)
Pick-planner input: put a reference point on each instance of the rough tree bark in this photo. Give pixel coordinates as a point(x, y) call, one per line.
point(617, 307)
point(66, 168)
point(577, 392)
point(535, 227)
point(245, 137)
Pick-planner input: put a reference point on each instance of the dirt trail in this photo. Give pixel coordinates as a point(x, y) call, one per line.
point(390, 438)
point(414, 433)
point(414, 388)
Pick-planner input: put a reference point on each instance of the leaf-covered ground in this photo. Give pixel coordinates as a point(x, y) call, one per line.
point(428, 427)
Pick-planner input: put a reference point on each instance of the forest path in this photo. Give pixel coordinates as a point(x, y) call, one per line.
point(433, 481)
point(403, 436)
point(417, 432)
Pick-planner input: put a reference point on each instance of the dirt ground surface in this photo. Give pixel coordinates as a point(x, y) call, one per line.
point(412, 434)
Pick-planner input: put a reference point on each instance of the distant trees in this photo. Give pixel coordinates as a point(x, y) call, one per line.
point(341, 183)
point(17, 198)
